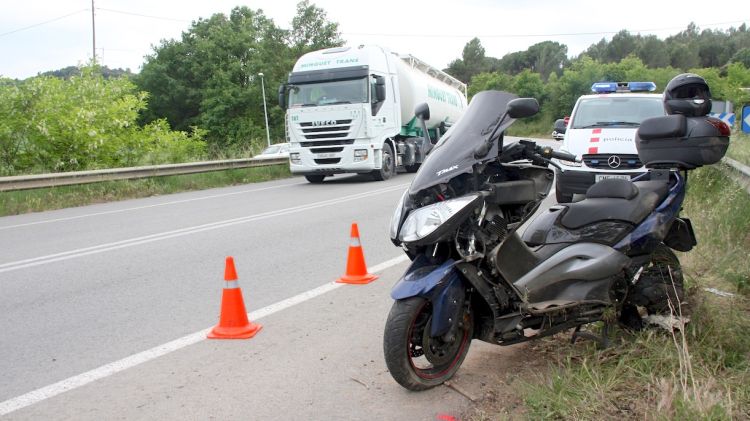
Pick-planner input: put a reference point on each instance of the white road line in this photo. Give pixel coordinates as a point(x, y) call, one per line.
point(101, 248)
point(214, 196)
point(46, 392)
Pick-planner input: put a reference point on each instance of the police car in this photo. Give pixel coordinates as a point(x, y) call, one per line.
point(601, 132)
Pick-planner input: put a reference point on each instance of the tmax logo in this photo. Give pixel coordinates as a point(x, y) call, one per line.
point(441, 172)
point(324, 123)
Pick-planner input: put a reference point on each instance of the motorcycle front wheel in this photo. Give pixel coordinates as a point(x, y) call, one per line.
point(416, 360)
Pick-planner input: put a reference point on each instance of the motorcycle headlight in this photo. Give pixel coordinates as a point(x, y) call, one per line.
point(427, 220)
point(397, 215)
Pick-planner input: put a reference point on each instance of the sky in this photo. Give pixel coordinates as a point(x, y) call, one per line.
point(42, 35)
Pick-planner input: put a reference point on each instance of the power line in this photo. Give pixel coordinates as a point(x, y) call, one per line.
point(122, 12)
point(534, 35)
point(43, 23)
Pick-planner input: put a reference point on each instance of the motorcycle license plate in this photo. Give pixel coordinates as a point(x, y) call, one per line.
point(600, 177)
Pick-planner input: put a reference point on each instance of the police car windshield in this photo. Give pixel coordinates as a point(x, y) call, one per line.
point(613, 111)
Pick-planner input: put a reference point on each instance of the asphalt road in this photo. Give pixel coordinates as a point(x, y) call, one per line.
point(105, 308)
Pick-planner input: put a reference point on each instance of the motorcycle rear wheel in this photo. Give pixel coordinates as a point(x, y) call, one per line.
point(660, 286)
point(416, 360)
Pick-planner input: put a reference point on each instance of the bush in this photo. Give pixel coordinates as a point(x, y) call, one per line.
point(85, 122)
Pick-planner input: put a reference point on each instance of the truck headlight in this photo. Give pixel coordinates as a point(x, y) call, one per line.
point(427, 220)
point(360, 155)
point(294, 157)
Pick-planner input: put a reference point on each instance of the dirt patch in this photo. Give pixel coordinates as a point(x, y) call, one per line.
point(492, 378)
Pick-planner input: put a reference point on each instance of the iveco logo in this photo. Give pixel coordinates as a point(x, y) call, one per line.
point(614, 161)
point(324, 123)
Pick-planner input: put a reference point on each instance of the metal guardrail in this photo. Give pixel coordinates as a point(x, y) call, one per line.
point(24, 182)
point(741, 172)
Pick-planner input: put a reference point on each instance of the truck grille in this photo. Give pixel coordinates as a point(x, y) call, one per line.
point(326, 150)
point(332, 133)
point(602, 160)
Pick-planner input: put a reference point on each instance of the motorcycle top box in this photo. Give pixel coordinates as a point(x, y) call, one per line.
point(676, 141)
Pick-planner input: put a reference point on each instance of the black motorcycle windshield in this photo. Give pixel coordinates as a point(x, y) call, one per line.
point(454, 153)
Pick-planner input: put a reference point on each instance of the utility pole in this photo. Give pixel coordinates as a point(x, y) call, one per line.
point(265, 110)
point(93, 33)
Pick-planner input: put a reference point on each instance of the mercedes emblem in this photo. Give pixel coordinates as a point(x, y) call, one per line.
point(614, 161)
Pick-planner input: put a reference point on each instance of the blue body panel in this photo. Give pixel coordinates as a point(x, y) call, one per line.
point(440, 284)
point(649, 233)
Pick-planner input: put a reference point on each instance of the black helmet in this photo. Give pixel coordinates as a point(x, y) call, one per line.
point(687, 94)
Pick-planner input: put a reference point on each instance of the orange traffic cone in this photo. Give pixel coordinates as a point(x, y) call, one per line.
point(233, 323)
point(356, 269)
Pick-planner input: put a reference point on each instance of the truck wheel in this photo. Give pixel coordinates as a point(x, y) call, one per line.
point(315, 179)
point(388, 166)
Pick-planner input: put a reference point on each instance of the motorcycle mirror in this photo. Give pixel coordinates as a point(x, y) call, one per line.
point(282, 94)
point(559, 125)
point(522, 107)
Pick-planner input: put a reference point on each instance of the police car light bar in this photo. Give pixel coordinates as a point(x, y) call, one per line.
point(611, 87)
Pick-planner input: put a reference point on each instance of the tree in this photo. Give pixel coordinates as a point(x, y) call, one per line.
point(713, 48)
point(682, 56)
point(84, 122)
point(498, 81)
point(651, 52)
point(312, 31)
point(472, 62)
point(529, 84)
point(71, 71)
point(209, 78)
point(547, 57)
point(622, 45)
point(742, 56)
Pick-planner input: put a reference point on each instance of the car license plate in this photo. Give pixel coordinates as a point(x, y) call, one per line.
point(600, 177)
point(325, 155)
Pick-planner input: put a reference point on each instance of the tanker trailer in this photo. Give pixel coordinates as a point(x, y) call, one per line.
point(351, 110)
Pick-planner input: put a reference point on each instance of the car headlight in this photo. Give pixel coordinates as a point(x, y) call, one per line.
point(425, 221)
point(397, 215)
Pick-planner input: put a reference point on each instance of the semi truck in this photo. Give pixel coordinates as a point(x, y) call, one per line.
point(352, 110)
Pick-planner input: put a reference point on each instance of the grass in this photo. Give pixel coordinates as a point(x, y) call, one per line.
point(18, 202)
point(540, 127)
point(739, 147)
point(701, 372)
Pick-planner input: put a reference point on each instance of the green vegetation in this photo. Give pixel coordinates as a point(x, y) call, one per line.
point(13, 203)
point(558, 95)
point(739, 148)
point(85, 122)
point(701, 373)
point(209, 78)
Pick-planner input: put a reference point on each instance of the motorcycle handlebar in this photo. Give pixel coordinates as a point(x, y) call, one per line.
point(564, 156)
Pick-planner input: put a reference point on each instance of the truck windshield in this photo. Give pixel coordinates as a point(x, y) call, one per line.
point(327, 93)
point(612, 111)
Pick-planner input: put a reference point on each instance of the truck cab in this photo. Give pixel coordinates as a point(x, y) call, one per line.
point(346, 114)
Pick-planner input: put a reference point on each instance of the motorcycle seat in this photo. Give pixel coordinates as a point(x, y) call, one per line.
point(615, 199)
